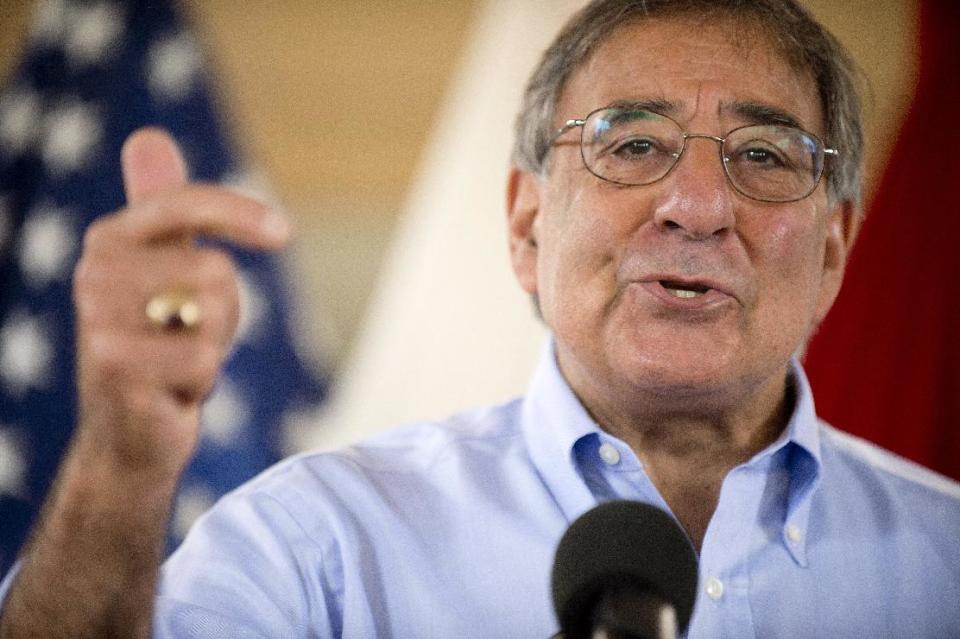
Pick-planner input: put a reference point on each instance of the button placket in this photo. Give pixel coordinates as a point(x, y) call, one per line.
point(714, 588)
point(725, 580)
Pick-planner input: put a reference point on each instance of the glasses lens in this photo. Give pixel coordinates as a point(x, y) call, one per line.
point(773, 163)
point(630, 146)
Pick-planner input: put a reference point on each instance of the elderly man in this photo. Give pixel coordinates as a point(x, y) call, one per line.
point(684, 197)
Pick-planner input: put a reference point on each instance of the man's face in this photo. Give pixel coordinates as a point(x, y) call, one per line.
point(597, 254)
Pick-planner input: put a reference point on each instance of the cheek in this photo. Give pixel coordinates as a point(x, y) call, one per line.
point(578, 254)
point(790, 269)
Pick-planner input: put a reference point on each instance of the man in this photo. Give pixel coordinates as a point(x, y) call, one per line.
point(677, 282)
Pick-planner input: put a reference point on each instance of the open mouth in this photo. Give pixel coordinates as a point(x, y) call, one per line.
point(684, 291)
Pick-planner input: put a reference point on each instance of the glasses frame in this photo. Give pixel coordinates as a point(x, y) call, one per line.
point(824, 152)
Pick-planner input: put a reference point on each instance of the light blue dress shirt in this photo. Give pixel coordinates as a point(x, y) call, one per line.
point(448, 530)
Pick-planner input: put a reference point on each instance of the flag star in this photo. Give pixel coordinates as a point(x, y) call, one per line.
point(224, 414)
point(173, 66)
point(47, 245)
point(253, 309)
point(192, 501)
point(19, 121)
point(71, 132)
point(49, 22)
point(26, 354)
point(93, 33)
point(13, 464)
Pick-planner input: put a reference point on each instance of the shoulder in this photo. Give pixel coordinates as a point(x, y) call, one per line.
point(882, 471)
point(318, 495)
point(883, 515)
point(418, 445)
point(403, 459)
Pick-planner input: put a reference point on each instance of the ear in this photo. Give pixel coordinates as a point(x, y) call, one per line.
point(843, 226)
point(523, 207)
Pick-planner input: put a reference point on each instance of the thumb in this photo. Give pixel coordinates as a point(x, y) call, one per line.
point(151, 163)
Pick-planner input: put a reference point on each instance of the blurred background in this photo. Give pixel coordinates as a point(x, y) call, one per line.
point(383, 128)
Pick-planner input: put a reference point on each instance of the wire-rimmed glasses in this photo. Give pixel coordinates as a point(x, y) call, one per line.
point(765, 162)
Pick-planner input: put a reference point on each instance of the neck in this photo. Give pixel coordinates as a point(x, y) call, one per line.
point(687, 452)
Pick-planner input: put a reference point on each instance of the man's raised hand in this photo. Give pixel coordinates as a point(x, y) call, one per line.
point(140, 384)
point(90, 568)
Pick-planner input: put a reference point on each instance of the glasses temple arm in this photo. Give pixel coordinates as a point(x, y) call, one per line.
point(569, 124)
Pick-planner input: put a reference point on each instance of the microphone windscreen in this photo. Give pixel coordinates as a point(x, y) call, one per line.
point(623, 544)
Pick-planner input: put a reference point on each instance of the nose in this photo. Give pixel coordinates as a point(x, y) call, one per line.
point(696, 199)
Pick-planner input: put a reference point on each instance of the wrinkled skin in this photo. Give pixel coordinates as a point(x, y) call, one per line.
point(585, 247)
point(694, 386)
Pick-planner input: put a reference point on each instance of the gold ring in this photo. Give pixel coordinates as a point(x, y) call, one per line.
point(173, 311)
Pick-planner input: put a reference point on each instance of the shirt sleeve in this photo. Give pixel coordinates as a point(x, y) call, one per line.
point(248, 568)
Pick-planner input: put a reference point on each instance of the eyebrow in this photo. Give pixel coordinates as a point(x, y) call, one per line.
point(751, 112)
point(657, 105)
point(756, 113)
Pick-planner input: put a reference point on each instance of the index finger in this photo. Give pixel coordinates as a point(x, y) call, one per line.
point(208, 210)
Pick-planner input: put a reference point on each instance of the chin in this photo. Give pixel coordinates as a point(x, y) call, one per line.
point(682, 372)
point(678, 375)
point(700, 381)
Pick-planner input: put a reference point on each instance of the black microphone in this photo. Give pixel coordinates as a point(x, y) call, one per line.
point(624, 570)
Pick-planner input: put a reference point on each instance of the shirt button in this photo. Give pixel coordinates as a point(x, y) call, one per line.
point(793, 533)
point(713, 588)
point(609, 454)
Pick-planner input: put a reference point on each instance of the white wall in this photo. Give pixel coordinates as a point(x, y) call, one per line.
point(449, 327)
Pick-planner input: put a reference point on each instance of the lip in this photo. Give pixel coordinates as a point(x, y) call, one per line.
point(718, 293)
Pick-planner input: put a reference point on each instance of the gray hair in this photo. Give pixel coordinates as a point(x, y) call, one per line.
point(803, 42)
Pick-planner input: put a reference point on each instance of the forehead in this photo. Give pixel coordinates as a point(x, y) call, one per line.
point(704, 70)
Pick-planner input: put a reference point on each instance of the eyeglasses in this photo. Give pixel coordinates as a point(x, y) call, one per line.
point(769, 163)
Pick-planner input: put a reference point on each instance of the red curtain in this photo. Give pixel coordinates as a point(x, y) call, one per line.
point(886, 363)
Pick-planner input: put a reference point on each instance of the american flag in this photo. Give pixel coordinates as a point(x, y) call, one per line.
point(92, 72)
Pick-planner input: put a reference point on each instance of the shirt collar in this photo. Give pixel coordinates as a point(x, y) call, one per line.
point(796, 454)
point(802, 429)
point(554, 421)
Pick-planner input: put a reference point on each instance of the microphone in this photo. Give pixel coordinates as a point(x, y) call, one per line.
point(624, 570)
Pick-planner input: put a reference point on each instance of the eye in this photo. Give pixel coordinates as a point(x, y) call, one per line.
point(635, 148)
point(759, 155)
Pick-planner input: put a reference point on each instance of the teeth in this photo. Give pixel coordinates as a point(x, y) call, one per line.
point(683, 291)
